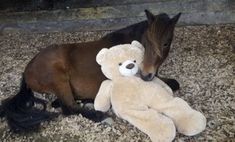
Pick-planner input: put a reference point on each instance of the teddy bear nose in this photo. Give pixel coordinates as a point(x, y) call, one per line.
point(130, 66)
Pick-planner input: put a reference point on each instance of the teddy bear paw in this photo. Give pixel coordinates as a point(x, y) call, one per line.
point(193, 124)
point(165, 132)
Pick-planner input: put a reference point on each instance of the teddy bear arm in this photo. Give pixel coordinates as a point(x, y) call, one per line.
point(102, 100)
point(157, 126)
point(187, 120)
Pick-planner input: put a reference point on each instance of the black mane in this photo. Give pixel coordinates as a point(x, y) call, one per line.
point(133, 32)
point(127, 34)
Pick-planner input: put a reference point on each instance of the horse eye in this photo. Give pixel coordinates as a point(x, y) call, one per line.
point(134, 61)
point(120, 64)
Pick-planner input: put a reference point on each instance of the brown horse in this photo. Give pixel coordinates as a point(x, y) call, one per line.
point(70, 71)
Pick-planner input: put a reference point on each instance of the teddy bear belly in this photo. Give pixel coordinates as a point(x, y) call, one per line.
point(123, 101)
point(137, 94)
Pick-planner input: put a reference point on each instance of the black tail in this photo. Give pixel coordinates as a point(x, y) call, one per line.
point(20, 113)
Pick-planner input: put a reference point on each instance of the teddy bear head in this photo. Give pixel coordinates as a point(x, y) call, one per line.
point(120, 60)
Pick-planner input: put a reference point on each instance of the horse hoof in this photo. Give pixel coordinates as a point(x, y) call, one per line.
point(108, 120)
point(173, 84)
point(89, 106)
point(56, 103)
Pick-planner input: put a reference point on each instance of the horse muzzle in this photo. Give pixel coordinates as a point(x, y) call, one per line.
point(148, 77)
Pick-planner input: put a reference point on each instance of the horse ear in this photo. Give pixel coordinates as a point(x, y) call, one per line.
point(175, 19)
point(149, 15)
point(100, 57)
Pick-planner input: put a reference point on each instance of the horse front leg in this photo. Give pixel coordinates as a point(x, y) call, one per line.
point(172, 83)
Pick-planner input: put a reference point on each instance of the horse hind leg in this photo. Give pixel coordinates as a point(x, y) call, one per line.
point(57, 103)
point(2, 113)
point(65, 99)
point(69, 106)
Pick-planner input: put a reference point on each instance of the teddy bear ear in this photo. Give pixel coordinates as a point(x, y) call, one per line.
point(137, 44)
point(100, 57)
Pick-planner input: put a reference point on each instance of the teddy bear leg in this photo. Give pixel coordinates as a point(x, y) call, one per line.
point(157, 126)
point(187, 120)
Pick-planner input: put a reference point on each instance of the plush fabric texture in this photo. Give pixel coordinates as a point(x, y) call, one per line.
point(150, 106)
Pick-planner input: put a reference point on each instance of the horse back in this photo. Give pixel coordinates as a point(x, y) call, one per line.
point(75, 63)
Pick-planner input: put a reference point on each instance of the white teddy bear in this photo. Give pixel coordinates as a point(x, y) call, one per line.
point(150, 106)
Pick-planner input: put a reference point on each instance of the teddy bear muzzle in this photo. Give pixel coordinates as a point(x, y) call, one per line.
point(128, 68)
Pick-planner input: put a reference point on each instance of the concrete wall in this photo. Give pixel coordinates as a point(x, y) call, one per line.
point(117, 14)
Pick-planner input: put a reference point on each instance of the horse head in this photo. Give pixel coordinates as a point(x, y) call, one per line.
point(157, 41)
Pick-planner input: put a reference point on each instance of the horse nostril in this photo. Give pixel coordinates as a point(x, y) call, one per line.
point(148, 77)
point(130, 66)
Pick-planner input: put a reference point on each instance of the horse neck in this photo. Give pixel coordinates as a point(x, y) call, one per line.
point(128, 34)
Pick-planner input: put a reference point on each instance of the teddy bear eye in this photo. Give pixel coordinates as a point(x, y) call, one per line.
point(134, 61)
point(120, 64)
